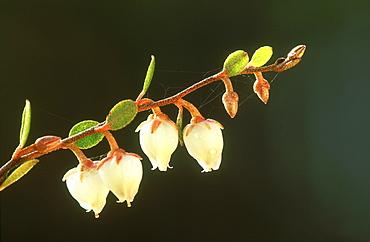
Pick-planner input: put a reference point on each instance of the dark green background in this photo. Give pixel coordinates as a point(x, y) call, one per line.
point(296, 169)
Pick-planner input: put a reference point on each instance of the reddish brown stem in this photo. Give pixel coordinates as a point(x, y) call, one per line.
point(228, 84)
point(29, 153)
point(78, 153)
point(181, 94)
point(111, 140)
point(190, 107)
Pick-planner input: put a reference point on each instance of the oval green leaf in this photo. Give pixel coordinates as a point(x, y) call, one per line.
point(88, 141)
point(261, 56)
point(25, 124)
point(149, 75)
point(236, 62)
point(18, 173)
point(121, 114)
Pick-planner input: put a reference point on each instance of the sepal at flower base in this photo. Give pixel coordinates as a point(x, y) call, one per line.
point(158, 139)
point(122, 173)
point(204, 142)
point(86, 186)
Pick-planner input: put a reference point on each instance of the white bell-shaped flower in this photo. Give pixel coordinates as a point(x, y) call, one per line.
point(158, 139)
point(122, 173)
point(86, 186)
point(204, 142)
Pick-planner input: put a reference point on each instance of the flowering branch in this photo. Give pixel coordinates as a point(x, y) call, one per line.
point(120, 172)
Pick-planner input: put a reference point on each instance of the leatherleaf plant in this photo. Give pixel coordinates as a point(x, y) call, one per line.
point(120, 171)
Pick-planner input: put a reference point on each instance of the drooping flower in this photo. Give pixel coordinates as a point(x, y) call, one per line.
point(86, 186)
point(204, 142)
point(122, 173)
point(158, 139)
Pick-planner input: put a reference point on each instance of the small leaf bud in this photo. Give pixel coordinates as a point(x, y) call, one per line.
point(230, 101)
point(261, 87)
point(293, 57)
point(297, 52)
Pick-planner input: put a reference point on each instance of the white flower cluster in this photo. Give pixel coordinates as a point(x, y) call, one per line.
point(121, 172)
point(202, 138)
point(90, 184)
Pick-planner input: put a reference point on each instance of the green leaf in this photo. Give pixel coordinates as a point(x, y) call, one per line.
point(18, 173)
point(121, 114)
point(89, 141)
point(261, 56)
point(179, 127)
point(149, 75)
point(236, 62)
point(25, 124)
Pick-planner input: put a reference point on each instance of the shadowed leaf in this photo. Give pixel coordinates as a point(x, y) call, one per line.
point(18, 173)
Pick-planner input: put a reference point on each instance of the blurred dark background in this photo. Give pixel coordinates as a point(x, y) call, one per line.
point(296, 169)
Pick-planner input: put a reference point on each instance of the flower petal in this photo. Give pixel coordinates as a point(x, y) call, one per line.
point(204, 143)
point(122, 175)
point(86, 186)
point(159, 139)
